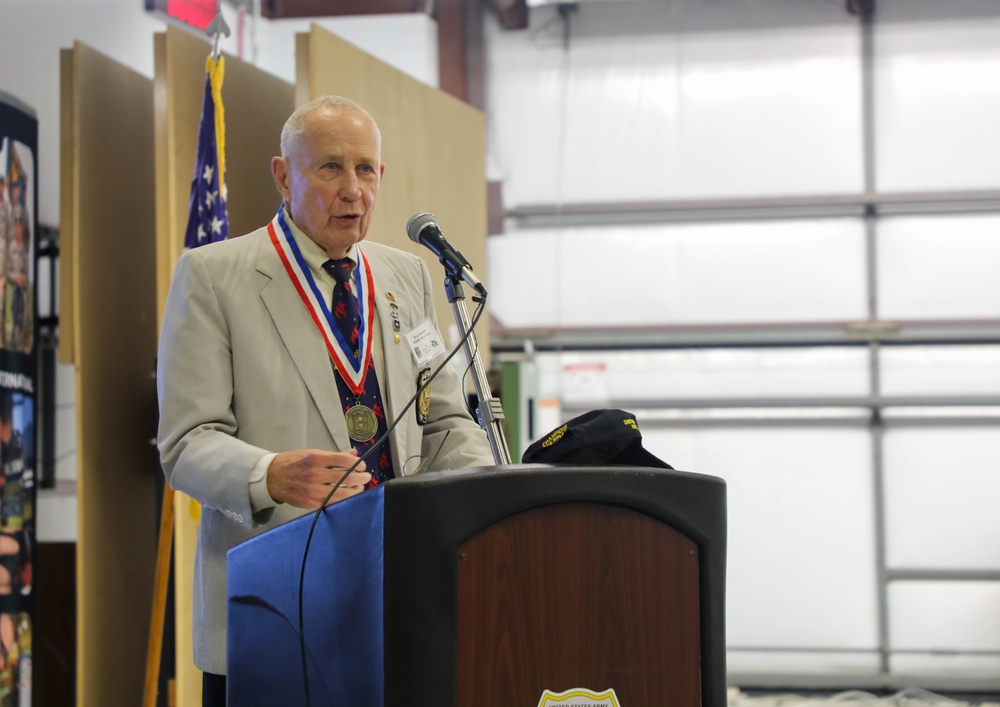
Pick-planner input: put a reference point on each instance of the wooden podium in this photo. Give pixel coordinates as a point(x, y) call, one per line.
point(487, 587)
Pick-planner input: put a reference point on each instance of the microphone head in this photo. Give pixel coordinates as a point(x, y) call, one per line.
point(417, 223)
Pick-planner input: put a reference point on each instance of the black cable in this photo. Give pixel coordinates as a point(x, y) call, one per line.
point(465, 374)
point(447, 434)
point(312, 527)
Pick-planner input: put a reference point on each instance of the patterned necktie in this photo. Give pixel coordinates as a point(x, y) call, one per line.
point(345, 302)
point(348, 318)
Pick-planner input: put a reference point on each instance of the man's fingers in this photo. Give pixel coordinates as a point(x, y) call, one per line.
point(350, 487)
point(329, 477)
point(359, 478)
point(304, 478)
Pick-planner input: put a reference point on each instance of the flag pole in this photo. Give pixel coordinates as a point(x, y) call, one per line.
point(215, 30)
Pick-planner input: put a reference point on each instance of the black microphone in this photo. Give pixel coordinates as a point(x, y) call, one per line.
point(422, 228)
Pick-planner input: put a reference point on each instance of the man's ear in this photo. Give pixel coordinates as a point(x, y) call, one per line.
point(279, 170)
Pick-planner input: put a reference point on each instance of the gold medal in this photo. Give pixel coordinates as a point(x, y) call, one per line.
point(361, 423)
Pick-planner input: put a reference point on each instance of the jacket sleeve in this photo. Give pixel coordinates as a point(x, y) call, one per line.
point(451, 439)
point(199, 450)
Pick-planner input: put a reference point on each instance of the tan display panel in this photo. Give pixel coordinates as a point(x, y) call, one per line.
point(433, 146)
point(108, 273)
point(256, 105)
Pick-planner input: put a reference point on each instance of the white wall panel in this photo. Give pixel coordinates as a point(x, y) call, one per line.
point(936, 107)
point(941, 487)
point(819, 662)
point(939, 267)
point(801, 561)
point(522, 274)
point(940, 370)
point(623, 114)
point(526, 77)
point(944, 616)
point(769, 113)
point(656, 275)
point(657, 114)
point(952, 666)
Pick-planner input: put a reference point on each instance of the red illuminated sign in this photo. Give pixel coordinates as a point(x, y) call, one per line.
point(197, 13)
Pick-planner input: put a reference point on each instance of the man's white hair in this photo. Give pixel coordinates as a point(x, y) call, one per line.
point(295, 125)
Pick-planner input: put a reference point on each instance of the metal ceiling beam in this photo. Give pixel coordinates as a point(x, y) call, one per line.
point(711, 336)
point(460, 50)
point(513, 14)
point(740, 208)
point(279, 9)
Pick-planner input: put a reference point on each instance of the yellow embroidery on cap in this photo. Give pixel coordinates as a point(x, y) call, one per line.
point(554, 437)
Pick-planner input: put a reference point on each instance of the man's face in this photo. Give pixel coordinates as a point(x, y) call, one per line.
point(330, 178)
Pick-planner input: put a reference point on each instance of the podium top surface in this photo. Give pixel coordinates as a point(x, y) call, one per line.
point(693, 503)
point(463, 501)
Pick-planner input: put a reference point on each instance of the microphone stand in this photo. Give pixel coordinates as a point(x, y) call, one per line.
point(490, 411)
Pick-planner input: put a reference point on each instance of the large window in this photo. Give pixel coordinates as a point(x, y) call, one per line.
point(773, 233)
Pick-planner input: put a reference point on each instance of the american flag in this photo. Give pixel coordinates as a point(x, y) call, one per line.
point(207, 218)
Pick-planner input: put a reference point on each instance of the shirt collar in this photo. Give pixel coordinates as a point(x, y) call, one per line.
point(314, 255)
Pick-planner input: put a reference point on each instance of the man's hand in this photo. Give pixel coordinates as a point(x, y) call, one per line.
point(303, 478)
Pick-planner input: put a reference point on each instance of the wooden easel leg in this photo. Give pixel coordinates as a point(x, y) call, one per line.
point(155, 650)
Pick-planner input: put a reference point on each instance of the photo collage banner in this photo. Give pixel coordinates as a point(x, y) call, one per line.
point(18, 227)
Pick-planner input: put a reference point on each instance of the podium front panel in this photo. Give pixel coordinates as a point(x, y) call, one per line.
point(430, 517)
point(578, 595)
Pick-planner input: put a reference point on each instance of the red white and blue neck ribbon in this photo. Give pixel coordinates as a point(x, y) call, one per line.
point(352, 368)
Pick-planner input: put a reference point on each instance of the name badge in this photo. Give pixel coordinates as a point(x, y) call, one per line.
point(425, 342)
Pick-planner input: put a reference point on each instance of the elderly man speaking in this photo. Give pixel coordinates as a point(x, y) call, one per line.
point(281, 361)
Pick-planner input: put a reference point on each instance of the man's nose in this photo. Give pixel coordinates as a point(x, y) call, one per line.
point(350, 188)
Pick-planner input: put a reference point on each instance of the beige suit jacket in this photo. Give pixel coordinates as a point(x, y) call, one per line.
point(242, 371)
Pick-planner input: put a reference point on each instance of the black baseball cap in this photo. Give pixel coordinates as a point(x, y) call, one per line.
point(594, 438)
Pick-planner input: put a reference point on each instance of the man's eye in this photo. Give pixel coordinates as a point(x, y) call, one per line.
point(366, 168)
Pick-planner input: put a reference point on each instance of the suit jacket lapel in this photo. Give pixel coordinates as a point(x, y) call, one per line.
point(302, 341)
point(397, 388)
